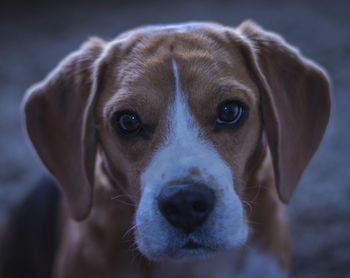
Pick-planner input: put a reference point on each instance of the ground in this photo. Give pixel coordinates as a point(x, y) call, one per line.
point(36, 35)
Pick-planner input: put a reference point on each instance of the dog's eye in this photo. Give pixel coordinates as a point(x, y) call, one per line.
point(126, 123)
point(231, 113)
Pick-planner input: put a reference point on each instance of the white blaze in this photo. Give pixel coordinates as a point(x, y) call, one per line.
point(182, 150)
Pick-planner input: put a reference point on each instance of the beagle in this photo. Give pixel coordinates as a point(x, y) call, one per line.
point(176, 148)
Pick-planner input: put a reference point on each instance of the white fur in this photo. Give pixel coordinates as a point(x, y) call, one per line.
point(183, 149)
point(177, 28)
point(241, 263)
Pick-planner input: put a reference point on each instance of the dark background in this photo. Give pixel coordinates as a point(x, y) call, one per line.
point(36, 35)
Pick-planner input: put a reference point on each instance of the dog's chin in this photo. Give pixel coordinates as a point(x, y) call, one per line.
point(183, 255)
point(189, 251)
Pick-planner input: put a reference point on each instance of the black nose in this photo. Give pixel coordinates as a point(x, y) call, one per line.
point(186, 206)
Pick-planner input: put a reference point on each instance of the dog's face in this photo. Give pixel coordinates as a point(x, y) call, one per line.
point(179, 114)
point(181, 121)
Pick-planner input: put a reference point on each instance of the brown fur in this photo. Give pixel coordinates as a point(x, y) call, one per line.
point(68, 120)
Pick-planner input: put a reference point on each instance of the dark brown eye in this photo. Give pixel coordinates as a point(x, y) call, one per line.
point(231, 113)
point(126, 123)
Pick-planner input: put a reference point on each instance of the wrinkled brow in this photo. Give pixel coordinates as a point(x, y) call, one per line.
point(124, 100)
point(237, 88)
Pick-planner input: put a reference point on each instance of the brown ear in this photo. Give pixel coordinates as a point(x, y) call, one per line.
point(60, 126)
point(295, 103)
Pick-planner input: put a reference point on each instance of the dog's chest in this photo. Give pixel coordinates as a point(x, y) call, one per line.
point(243, 263)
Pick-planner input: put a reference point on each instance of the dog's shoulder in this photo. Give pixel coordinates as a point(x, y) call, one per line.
point(31, 235)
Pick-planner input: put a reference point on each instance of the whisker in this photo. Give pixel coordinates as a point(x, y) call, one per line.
point(135, 252)
point(254, 223)
point(123, 202)
point(119, 196)
point(249, 206)
point(257, 194)
point(128, 231)
point(250, 202)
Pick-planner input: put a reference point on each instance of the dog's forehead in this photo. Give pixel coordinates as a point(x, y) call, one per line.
point(208, 60)
point(189, 27)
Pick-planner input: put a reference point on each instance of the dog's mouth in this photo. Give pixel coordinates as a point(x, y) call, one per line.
point(192, 250)
point(190, 245)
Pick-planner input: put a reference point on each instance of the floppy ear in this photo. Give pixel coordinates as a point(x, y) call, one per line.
point(295, 102)
point(60, 124)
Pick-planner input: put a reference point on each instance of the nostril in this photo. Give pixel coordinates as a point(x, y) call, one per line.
point(186, 206)
point(199, 206)
point(171, 209)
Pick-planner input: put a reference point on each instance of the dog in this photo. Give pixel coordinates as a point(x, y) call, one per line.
point(176, 148)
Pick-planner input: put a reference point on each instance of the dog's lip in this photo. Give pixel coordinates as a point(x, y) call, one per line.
point(191, 244)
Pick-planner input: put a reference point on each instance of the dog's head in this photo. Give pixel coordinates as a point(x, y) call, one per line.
point(179, 114)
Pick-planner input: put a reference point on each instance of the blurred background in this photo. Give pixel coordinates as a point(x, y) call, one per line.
point(36, 35)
